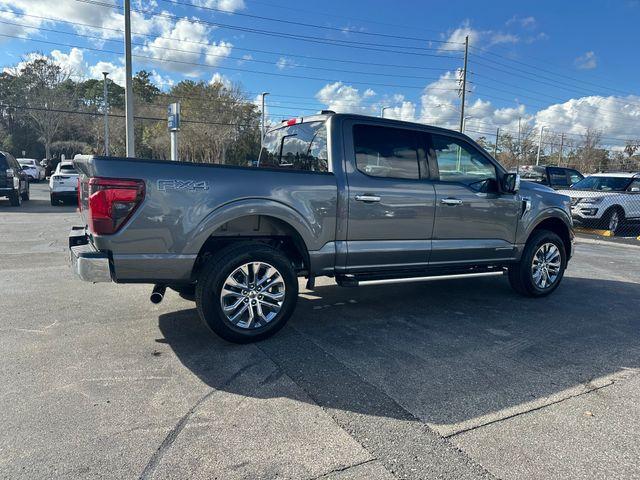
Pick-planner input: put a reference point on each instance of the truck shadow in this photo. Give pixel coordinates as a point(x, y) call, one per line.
point(445, 353)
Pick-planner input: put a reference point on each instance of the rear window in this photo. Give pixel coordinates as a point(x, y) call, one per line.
point(67, 169)
point(297, 147)
point(3, 162)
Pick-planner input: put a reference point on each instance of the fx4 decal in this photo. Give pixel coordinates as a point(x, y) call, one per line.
point(186, 185)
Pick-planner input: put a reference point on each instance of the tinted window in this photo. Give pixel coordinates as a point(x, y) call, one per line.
point(299, 147)
point(386, 152)
point(68, 169)
point(533, 174)
point(3, 162)
point(574, 176)
point(558, 177)
point(635, 184)
point(603, 184)
point(461, 162)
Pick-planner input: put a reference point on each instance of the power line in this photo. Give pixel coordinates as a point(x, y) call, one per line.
point(198, 53)
point(304, 38)
point(182, 62)
point(207, 44)
point(303, 24)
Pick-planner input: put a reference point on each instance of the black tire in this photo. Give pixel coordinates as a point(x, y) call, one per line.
point(608, 222)
point(215, 272)
point(54, 200)
point(25, 194)
point(15, 199)
point(521, 273)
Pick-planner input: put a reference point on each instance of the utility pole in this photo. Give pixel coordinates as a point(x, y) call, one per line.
point(464, 81)
point(106, 115)
point(264, 125)
point(382, 111)
point(173, 123)
point(495, 146)
point(128, 88)
point(560, 152)
point(539, 145)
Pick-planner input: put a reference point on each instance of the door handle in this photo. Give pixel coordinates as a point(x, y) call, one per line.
point(367, 198)
point(451, 201)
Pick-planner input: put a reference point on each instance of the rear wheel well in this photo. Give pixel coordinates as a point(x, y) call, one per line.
point(558, 227)
point(256, 228)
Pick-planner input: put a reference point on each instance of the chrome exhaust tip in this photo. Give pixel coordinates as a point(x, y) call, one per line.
point(157, 294)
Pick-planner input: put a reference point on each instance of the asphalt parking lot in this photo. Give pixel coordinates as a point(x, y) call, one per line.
point(457, 379)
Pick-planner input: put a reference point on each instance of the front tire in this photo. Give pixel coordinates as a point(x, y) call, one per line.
point(541, 267)
point(613, 220)
point(54, 200)
point(25, 194)
point(247, 292)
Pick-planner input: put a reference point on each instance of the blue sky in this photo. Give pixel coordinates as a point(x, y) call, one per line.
point(567, 66)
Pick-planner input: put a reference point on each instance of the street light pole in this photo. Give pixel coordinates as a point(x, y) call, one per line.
point(128, 89)
point(464, 122)
point(464, 82)
point(106, 115)
point(539, 145)
point(382, 111)
point(264, 125)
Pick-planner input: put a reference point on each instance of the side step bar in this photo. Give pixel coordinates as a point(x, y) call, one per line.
point(349, 281)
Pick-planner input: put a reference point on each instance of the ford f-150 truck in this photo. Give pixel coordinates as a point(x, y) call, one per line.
point(364, 200)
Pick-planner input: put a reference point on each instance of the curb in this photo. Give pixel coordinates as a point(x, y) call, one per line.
point(594, 241)
point(594, 231)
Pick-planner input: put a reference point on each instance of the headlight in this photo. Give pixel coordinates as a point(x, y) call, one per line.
point(592, 201)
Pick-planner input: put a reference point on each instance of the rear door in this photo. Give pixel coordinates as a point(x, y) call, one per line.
point(391, 207)
point(474, 222)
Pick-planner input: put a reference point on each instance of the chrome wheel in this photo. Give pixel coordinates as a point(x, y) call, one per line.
point(252, 295)
point(546, 265)
point(614, 221)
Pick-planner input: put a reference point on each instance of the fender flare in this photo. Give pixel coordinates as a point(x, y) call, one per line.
point(258, 206)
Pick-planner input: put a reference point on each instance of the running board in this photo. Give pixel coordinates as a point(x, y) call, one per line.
point(346, 281)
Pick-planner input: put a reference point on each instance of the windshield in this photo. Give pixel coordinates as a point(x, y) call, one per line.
point(602, 184)
point(27, 163)
point(299, 147)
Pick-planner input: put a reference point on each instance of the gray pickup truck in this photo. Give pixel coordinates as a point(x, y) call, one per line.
point(364, 200)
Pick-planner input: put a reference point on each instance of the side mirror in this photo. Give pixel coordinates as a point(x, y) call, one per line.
point(511, 183)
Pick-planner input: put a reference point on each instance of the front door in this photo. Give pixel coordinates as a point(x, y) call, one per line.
point(391, 208)
point(474, 222)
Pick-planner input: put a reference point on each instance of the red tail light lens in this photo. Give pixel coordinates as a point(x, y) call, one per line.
point(112, 202)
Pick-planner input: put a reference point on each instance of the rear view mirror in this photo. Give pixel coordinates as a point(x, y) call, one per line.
point(511, 182)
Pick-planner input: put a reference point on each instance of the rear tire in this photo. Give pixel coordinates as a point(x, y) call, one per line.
point(256, 279)
point(15, 199)
point(54, 200)
point(613, 220)
point(544, 258)
point(25, 194)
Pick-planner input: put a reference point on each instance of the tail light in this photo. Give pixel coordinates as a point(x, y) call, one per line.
point(9, 172)
point(78, 195)
point(112, 202)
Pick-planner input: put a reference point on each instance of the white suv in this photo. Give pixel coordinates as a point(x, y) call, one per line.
point(606, 200)
point(63, 184)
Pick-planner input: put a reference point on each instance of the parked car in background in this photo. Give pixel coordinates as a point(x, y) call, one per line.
point(554, 177)
point(63, 184)
point(32, 168)
point(606, 200)
point(14, 182)
point(364, 200)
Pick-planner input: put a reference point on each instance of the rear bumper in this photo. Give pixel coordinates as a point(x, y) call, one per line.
point(89, 264)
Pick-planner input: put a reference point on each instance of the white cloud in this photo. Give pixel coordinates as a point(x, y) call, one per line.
point(588, 61)
point(284, 62)
point(224, 5)
point(343, 98)
point(222, 79)
point(525, 22)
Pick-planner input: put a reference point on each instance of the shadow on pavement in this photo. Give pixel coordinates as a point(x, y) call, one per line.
point(447, 352)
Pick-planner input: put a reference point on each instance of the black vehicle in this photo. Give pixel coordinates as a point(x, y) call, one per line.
point(554, 177)
point(14, 182)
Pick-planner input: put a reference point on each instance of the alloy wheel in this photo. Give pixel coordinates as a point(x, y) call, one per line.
point(546, 264)
point(252, 295)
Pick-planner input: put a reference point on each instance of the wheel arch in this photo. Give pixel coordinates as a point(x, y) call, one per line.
point(560, 227)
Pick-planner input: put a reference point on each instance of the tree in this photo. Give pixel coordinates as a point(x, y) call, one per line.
point(45, 90)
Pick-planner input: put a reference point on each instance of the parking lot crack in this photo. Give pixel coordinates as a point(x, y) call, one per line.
point(343, 469)
point(589, 389)
point(171, 437)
